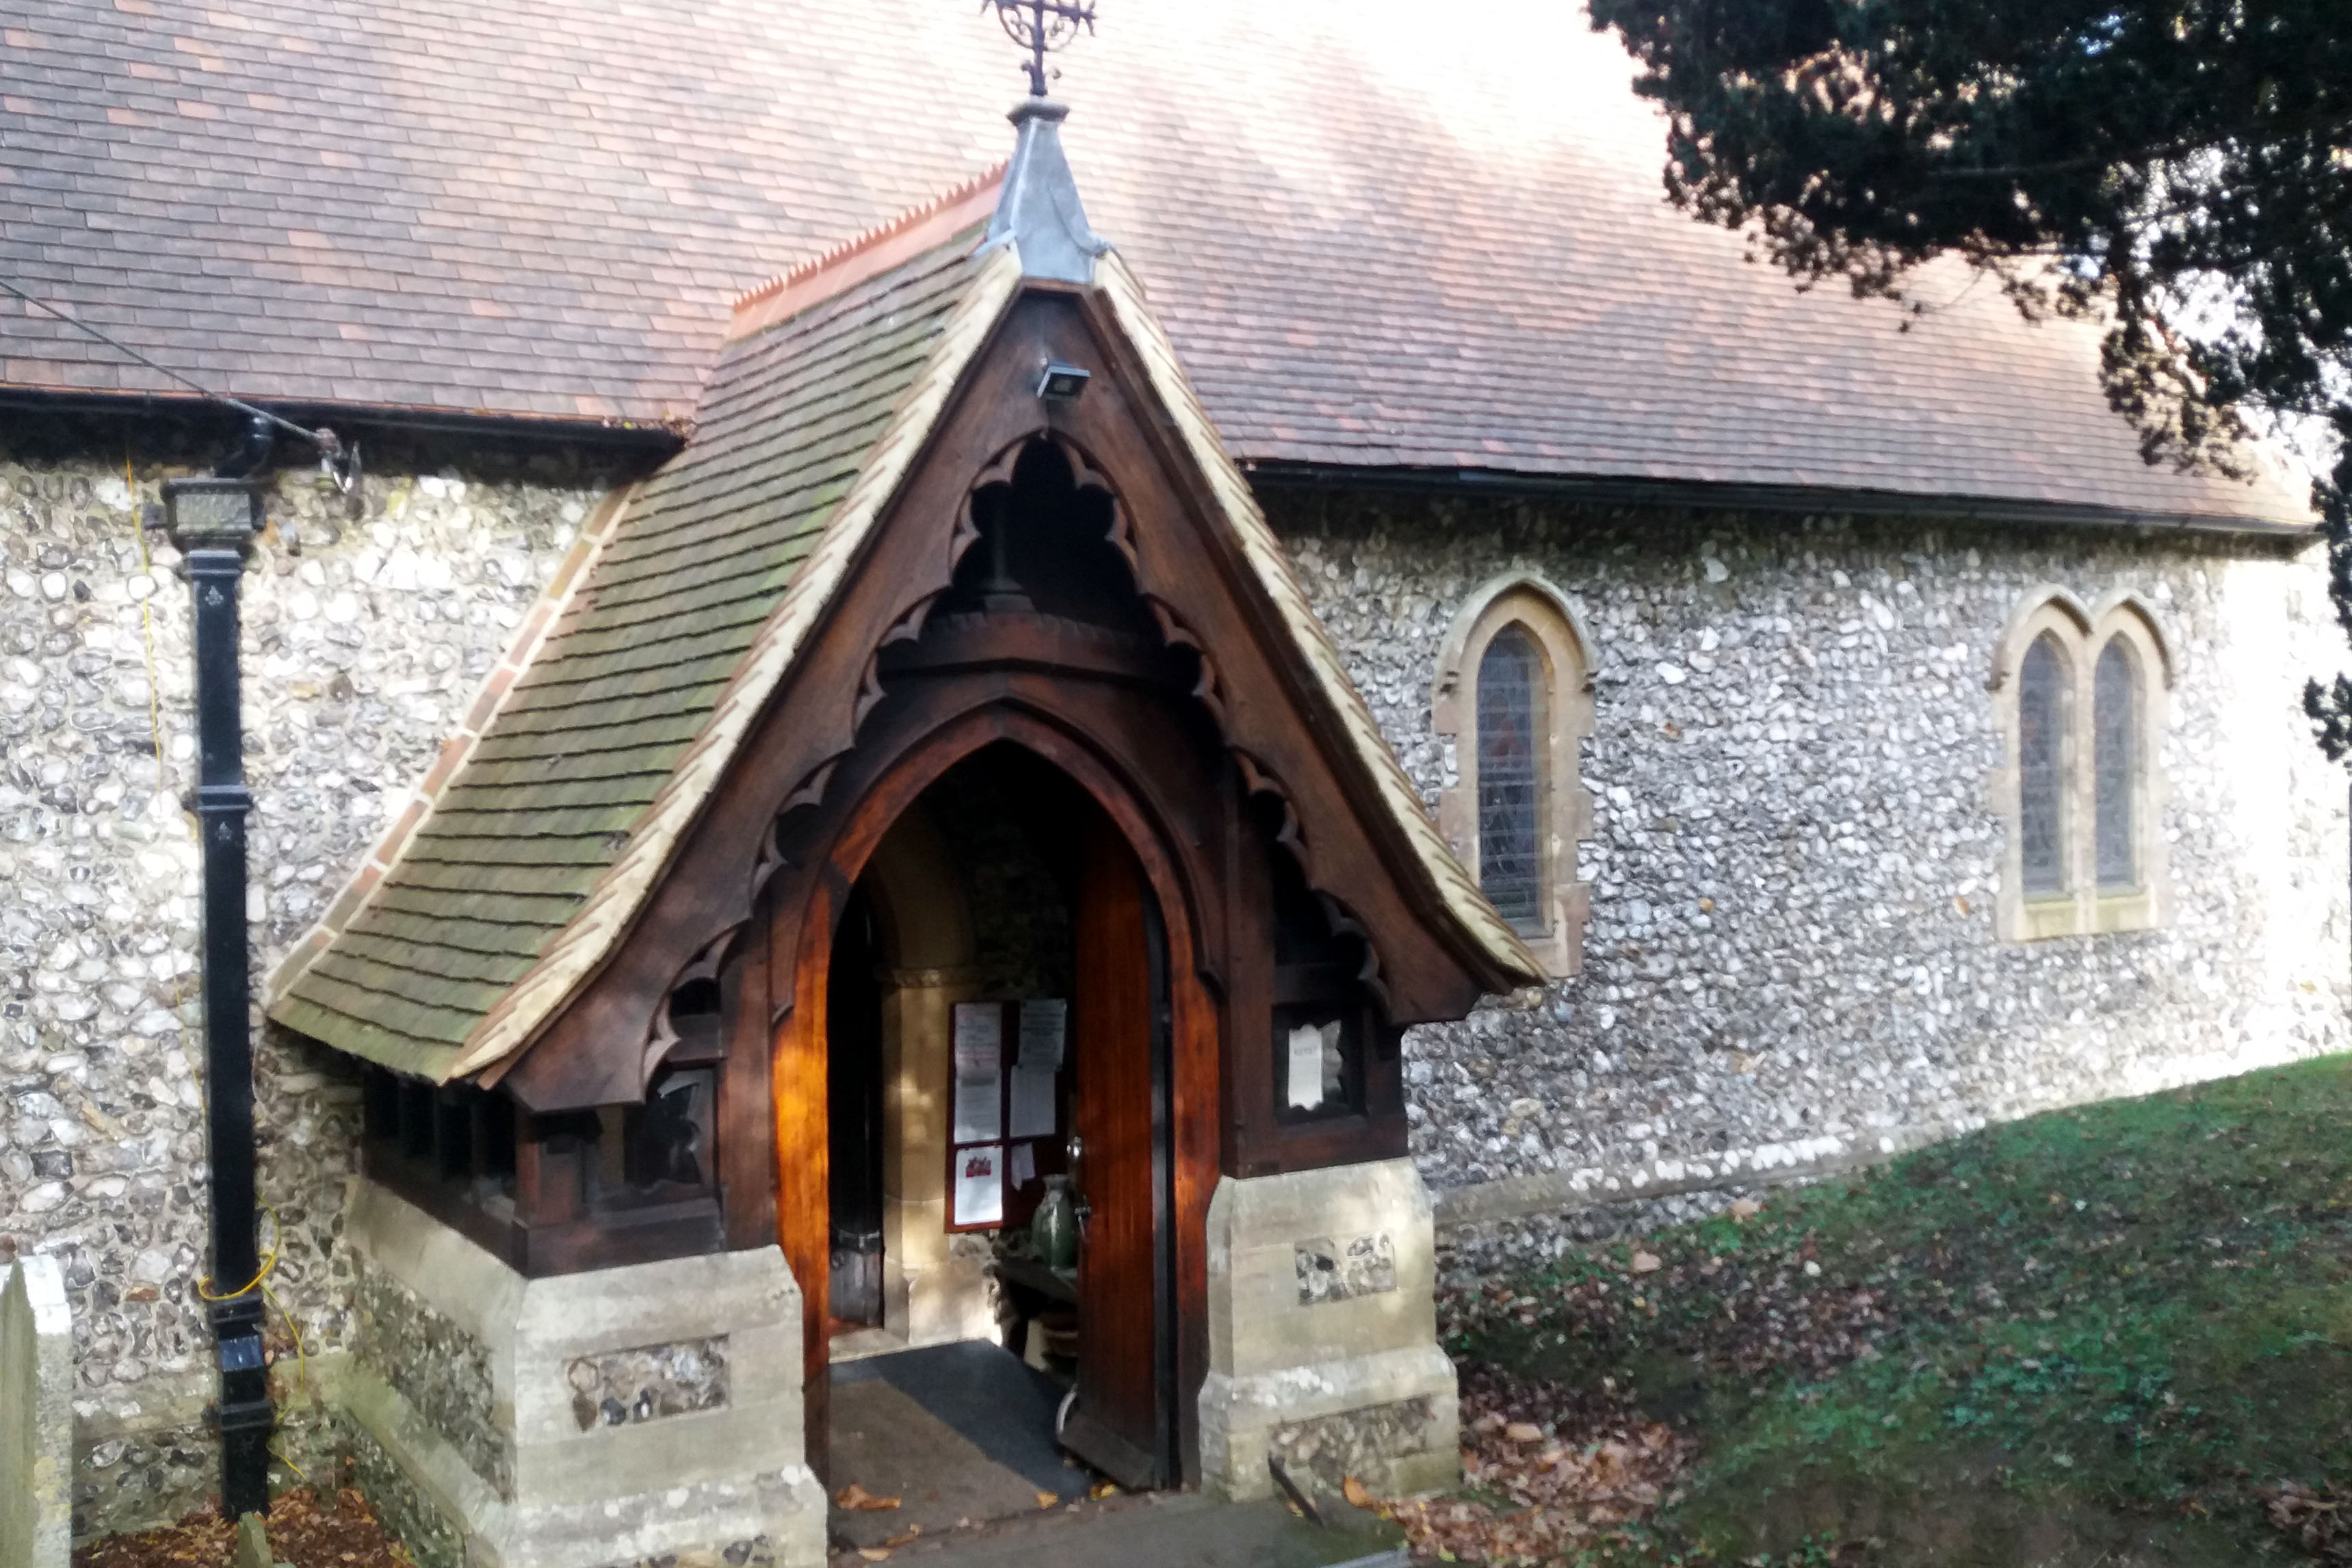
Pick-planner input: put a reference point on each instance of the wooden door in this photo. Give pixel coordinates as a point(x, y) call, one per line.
point(1119, 1422)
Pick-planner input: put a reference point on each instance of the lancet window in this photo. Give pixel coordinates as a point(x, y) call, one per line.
point(1512, 692)
point(2081, 699)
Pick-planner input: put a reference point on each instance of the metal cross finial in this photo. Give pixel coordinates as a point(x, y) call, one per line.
point(1041, 26)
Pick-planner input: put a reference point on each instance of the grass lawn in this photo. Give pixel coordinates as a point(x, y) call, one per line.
point(2120, 1336)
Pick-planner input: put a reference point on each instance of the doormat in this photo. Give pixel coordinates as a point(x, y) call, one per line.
point(986, 1395)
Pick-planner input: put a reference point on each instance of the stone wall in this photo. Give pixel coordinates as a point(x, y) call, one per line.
point(1791, 959)
point(441, 1370)
point(360, 651)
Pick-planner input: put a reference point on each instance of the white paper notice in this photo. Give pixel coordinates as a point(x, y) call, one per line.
point(979, 1109)
point(1032, 1101)
point(980, 1186)
point(1310, 1045)
point(979, 1039)
point(1043, 1021)
point(1024, 1164)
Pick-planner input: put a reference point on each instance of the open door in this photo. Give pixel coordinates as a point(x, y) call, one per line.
point(1120, 1417)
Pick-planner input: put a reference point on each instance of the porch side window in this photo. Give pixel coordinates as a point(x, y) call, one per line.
point(2115, 741)
point(1511, 746)
point(2040, 765)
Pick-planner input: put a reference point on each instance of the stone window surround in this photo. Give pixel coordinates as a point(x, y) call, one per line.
point(2081, 634)
point(1541, 611)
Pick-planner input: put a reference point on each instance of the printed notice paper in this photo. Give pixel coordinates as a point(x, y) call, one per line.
point(1310, 1044)
point(1033, 1100)
point(979, 1039)
point(980, 1186)
point(1024, 1164)
point(978, 1114)
point(1043, 1021)
point(979, 1103)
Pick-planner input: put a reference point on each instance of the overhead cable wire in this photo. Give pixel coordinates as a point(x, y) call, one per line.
point(324, 439)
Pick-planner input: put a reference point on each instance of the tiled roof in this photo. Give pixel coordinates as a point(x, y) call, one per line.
point(536, 840)
point(1374, 239)
point(555, 819)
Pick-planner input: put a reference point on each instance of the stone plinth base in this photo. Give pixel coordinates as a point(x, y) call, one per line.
point(591, 1420)
point(1323, 1335)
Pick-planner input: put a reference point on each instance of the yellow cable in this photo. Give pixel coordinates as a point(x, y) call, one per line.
point(203, 1285)
point(147, 626)
point(154, 683)
point(280, 1455)
point(269, 1266)
point(293, 1331)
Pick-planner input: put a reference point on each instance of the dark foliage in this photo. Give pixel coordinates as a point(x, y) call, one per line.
point(2158, 158)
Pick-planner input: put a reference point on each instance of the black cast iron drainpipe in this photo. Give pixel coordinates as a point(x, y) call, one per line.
point(213, 522)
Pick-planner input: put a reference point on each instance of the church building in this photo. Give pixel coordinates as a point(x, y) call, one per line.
point(1122, 739)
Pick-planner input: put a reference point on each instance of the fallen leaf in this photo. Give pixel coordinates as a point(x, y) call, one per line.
point(853, 1496)
point(1048, 1500)
point(1746, 1208)
point(874, 1553)
point(1356, 1492)
point(1647, 1263)
point(1524, 1431)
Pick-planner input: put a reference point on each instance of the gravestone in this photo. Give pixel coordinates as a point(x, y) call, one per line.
point(35, 1416)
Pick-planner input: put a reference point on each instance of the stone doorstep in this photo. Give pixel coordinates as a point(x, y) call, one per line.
point(1154, 1530)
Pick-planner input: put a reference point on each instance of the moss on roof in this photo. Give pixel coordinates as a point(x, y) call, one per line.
point(629, 678)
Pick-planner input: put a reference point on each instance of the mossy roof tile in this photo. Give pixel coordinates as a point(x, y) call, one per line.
point(626, 681)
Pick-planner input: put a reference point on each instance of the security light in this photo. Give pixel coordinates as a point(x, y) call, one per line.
point(1062, 383)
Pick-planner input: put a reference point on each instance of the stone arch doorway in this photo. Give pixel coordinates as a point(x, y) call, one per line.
point(904, 955)
point(1129, 1098)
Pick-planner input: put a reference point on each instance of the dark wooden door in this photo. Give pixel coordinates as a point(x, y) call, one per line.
point(1119, 1420)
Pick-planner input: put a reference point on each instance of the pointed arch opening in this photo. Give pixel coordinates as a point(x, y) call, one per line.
point(1514, 713)
point(1074, 902)
point(2042, 768)
point(2115, 759)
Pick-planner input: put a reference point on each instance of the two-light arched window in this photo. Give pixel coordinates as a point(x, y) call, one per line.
point(1514, 692)
point(2082, 702)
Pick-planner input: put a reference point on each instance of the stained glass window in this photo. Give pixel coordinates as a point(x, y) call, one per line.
point(1511, 717)
point(2115, 739)
point(2041, 781)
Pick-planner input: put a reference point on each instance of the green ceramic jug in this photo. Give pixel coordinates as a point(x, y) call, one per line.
point(1053, 1230)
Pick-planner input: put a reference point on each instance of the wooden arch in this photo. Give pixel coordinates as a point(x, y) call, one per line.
point(801, 913)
